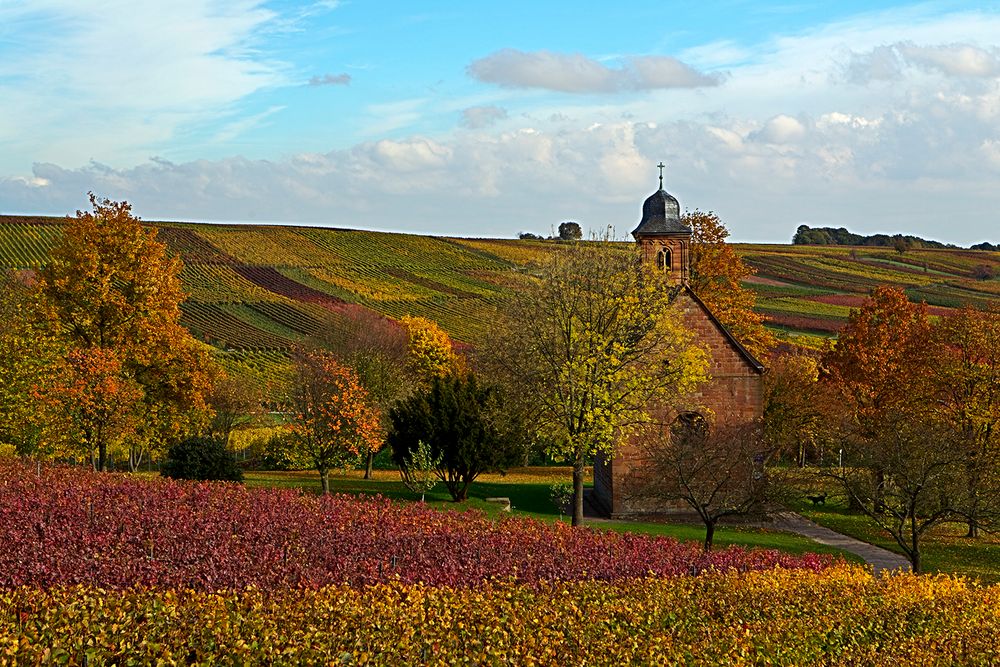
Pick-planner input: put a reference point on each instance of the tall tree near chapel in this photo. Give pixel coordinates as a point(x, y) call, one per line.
point(716, 277)
point(592, 345)
point(111, 291)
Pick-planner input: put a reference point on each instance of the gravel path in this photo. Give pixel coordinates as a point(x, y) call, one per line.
point(880, 559)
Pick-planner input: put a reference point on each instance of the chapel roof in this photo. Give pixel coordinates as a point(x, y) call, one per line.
point(661, 214)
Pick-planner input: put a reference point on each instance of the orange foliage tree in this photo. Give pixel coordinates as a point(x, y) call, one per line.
point(111, 287)
point(717, 273)
point(880, 360)
point(902, 463)
point(98, 396)
point(334, 421)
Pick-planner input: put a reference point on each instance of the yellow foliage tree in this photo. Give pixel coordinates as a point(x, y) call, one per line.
point(592, 345)
point(430, 352)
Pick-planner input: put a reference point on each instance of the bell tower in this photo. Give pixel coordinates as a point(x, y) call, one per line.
point(664, 241)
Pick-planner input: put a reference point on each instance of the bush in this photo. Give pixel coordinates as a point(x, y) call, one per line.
point(984, 272)
point(201, 459)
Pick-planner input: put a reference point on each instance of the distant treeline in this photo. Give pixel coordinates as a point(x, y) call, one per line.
point(806, 235)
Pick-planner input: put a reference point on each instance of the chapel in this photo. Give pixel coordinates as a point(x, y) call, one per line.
point(734, 391)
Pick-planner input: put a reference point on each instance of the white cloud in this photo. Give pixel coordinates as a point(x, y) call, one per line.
point(781, 129)
point(953, 59)
point(788, 139)
point(476, 118)
point(888, 61)
point(576, 73)
point(342, 79)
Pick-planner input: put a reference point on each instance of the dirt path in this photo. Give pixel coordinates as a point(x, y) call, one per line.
point(880, 559)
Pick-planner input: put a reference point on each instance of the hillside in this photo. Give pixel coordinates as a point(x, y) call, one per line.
point(254, 290)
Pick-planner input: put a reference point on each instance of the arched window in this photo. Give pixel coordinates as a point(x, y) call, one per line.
point(690, 428)
point(663, 260)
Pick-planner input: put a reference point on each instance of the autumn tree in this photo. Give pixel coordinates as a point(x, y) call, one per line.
point(100, 398)
point(234, 404)
point(920, 481)
point(880, 360)
point(967, 380)
point(878, 366)
point(378, 349)
point(110, 291)
point(429, 353)
point(470, 428)
point(717, 275)
point(591, 345)
point(796, 407)
point(715, 470)
point(30, 364)
point(333, 420)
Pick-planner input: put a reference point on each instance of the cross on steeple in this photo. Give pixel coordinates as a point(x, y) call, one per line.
point(661, 166)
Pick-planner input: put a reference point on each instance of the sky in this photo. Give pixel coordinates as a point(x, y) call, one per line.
point(492, 118)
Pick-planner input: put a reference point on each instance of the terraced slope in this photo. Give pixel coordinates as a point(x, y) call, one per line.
point(812, 289)
point(254, 291)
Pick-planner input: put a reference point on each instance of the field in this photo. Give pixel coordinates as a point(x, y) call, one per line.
point(254, 291)
point(116, 569)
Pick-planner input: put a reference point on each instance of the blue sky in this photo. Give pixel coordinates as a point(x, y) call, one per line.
point(490, 118)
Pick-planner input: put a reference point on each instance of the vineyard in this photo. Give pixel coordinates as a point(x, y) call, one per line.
point(255, 291)
point(116, 569)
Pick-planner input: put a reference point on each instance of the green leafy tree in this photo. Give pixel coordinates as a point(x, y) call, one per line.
point(570, 231)
point(201, 459)
point(469, 426)
point(592, 346)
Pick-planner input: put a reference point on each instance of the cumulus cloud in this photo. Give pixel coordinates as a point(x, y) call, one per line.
point(576, 73)
point(342, 79)
point(475, 118)
point(764, 177)
point(888, 62)
point(781, 129)
point(953, 59)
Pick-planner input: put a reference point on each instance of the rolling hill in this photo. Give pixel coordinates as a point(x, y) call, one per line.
point(254, 291)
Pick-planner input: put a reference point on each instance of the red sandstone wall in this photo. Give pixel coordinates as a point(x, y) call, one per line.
point(733, 394)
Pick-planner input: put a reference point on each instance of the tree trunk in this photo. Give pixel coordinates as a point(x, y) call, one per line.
point(973, 486)
point(324, 479)
point(102, 456)
point(709, 535)
point(578, 471)
point(914, 543)
point(134, 459)
point(879, 499)
point(369, 461)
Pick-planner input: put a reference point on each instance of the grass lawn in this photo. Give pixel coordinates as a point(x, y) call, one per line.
point(945, 549)
point(528, 490)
